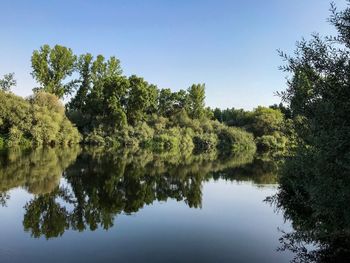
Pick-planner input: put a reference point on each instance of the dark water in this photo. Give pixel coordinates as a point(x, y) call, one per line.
point(69, 205)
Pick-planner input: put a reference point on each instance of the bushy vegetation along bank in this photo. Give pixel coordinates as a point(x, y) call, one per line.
point(38, 120)
point(110, 109)
point(272, 127)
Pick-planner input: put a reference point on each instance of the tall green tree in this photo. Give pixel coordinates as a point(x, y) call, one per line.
point(171, 102)
point(153, 94)
point(84, 66)
point(196, 103)
point(139, 99)
point(314, 184)
point(165, 102)
point(51, 67)
point(114, 93)
point(180, 100)
point(106, 81)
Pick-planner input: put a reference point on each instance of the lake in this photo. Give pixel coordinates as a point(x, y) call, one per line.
point(93, 205)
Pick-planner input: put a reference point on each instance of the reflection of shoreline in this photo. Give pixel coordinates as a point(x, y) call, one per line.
point(100, 185)
point(38, 171)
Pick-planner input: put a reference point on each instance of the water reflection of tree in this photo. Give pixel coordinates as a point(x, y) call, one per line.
point(38, 171)
point(101, 185)
point(260, 172)
point(318, 210)
point(45, 216)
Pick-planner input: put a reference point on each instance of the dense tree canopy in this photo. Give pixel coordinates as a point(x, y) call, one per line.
point(196, 104)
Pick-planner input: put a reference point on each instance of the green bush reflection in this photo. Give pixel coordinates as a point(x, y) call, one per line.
point(99, 185)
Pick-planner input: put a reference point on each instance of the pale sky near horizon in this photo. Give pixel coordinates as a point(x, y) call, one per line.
point(228, 45)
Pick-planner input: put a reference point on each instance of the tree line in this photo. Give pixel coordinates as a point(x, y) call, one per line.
point(114, 110)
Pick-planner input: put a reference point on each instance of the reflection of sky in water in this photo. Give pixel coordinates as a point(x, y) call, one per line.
point(234, 225)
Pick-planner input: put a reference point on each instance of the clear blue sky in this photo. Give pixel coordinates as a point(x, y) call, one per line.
point(230, 45)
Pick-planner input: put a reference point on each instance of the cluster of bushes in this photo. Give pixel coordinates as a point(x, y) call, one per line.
point(38, 120)
point(270, 126)
point(160, 134)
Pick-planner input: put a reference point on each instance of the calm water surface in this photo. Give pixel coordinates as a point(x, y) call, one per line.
point(69, 205)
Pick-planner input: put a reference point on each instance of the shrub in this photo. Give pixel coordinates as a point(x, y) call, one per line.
point(184, 121)
point(163, 142)
point(186, 140)
point(158, 122)
point(266, 121)
point(68, 134)
point(271, 142)
point(235, 140)
point(16, 138)
point(142, 133)
point(167, 140)
point(40, 120)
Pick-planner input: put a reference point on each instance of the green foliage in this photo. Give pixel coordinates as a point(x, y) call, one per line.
point(176, 139)
point(142, 132)
point(265, 121)
point(95, 139)
point(16, 137)
point(101, 96)
point(182, 119)
point(2, 142)
point(318, 98)
point(142, 99)
point(196, 104)
point(84, 67)
point(40, 120)
point(233, 117)
point(285, 110)
point(170, 103)
point(205, 142)
point(269, 126)
point(165, 142)
point(7, 82)
point(110, 109)
point(235, 140)
point(51, 66)
point(273, 142)
point(314, 191)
